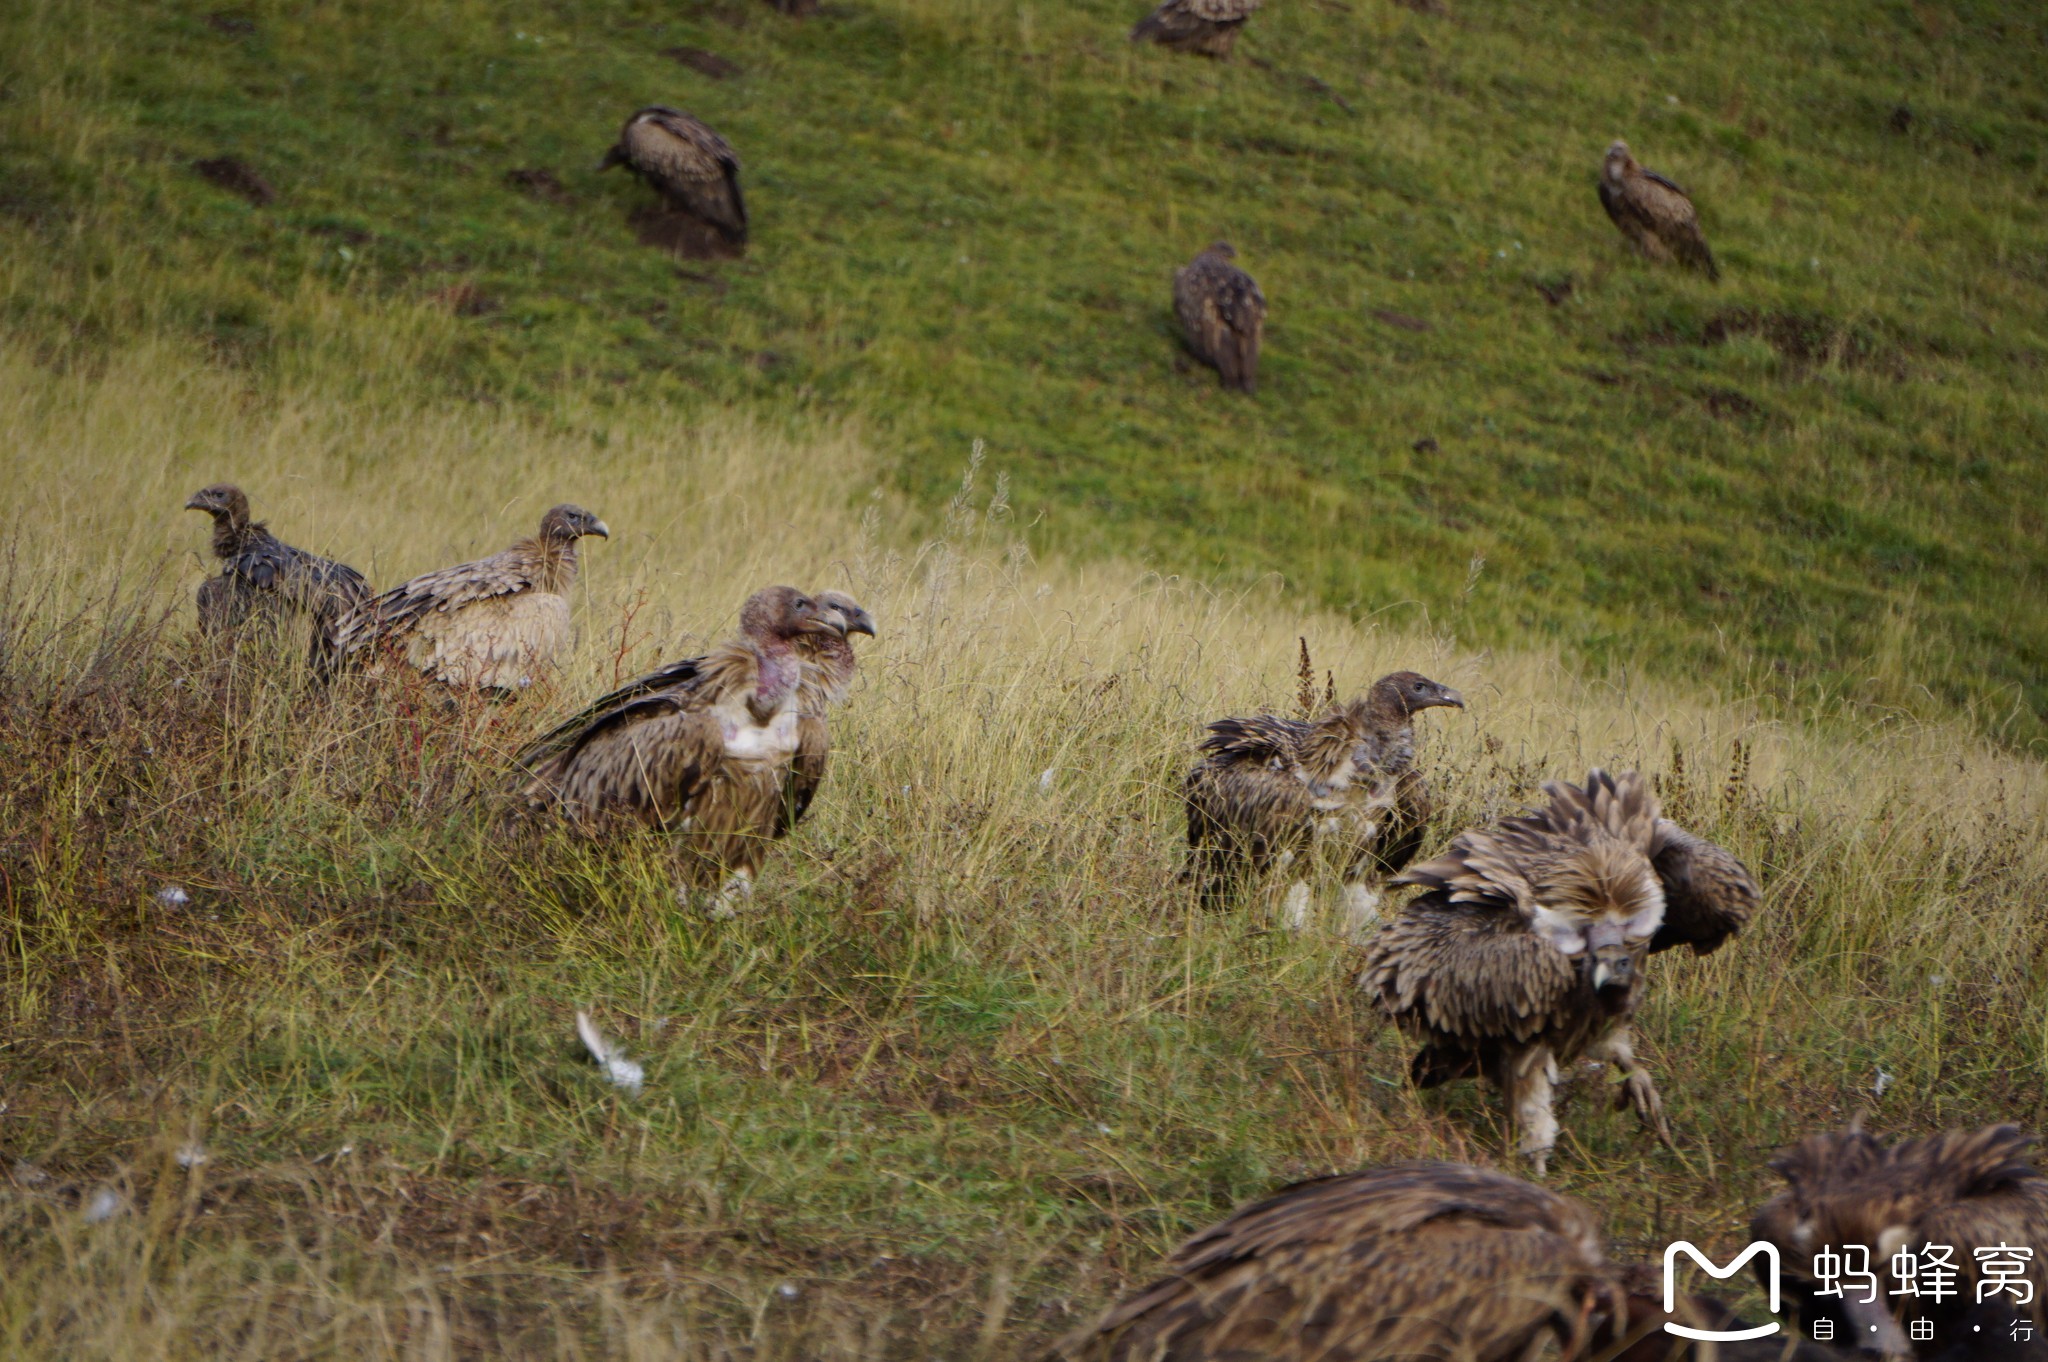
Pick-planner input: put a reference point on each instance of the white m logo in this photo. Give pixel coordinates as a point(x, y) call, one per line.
point(1671, 1251)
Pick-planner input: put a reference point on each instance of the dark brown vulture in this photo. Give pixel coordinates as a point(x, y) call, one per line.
point(827, 676)
point(1527, 949)
point(1421, 1260)
point(1205, 26)
point(1272, 789)
point(1653, 213)
point(795, 9)
point(1222, 314)
point(696, 171)
point(700, 749)
point(263, 577)
point(1871, 1212)
point(496, 624)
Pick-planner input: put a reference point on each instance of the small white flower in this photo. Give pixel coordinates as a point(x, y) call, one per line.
point(191, 1154)
point(1936, 980)
point(1884, 1080)
point(1102, 1129)
point(623, 1072)
point(1045, 778)
point(173, 896)
point(788, 1291)
point(1672, 100)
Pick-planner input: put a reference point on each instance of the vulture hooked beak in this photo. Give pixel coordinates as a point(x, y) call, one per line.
point(1612, 969)
point(856, 622)
point(615, 156)
point(600, 529)
point(1451, 698)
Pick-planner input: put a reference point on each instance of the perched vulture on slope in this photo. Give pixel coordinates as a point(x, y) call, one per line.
point(1205, 26)
point(261, 576)
point(695, 170)
point(1878, 1209)
point(700, 748)
point(1270, 789)
point(494, 624)
point(827, 676)
point(1527, 950)
point(1222, 314)
point(1420, 1260)
point(1653, 213)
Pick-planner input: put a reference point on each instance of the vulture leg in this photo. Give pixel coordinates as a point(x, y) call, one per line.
point(1531, 1083)
point(729, 898)
point(1295, 908)
point(1637, 1088)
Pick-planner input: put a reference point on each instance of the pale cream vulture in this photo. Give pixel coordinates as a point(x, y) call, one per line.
point(1653, 213)
point(1222, 315)
point(1208, 27)
point(695, 170)
point(500, 623)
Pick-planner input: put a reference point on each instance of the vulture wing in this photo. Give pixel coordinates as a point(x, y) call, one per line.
point(1416, 1260)
point(692, 165)
point(1260, 739)
point(1708, 894)
point(645, 759)
point(1666, 213)
point(440, 592)
point(226, 601)
point(806, 771)
point(1224, 316)
point(677, 677)
point(1471, 970)
point(1401, 839)
point(1221, 11)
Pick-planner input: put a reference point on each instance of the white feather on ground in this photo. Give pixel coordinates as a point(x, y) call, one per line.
point(622, 1072)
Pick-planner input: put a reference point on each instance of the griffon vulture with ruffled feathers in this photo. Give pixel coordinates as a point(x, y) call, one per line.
point(1653, 213)
point(1271, 789)
point(1526, 950)
point(1208, 27)
point(695, 170)
point(263, 577)
point(496, 624)
point(827, 677)
point(1222, 315)
point(700, 749)
point(1878, 1208)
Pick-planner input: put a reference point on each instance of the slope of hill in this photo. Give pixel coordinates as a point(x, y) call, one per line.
point(1477, 407)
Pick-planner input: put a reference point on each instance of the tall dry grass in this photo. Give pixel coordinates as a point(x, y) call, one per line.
point(976, 1058)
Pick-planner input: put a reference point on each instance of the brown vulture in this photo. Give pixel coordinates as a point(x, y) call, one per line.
point(827, 676)
point(263, 577)
point(1419, 1260)
point(1876, 1209)
point(1653, 213)
point(1222, 315)
point(1527, 949)
point(495, 624)
point(696, 171)
point(1205, 26)
point(700, 749)
point(1270, 789)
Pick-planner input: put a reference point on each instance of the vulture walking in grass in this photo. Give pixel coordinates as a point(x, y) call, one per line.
point(262, 577)
point(1877, 1208)
point(499, 623)
point(1653, 213)
point(1222, 314)
point(695, 170)
point(700, 749)
point(1208, 27)
point(1526, 951)
point(1270, 790)
point(827, 677)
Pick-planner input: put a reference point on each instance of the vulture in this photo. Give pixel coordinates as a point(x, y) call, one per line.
point(1205, 26)
point(1653, 213)
point(495, 624)
point(1222, 315)
point(263, 577)
point(1418, 1260)
point(1878, 1208)
point(701, 749)
point(1526, 950)
point(1268, 789)
point(696, 171)
point(827, 676)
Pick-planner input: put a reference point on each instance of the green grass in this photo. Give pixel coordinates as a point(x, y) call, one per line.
point(965, 219)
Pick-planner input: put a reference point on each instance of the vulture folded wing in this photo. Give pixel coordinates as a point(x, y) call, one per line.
point(1400, 840)
point(1467, 970)
point(494, 642)
point(682, 676)
point(444, 590)
point(693, 164)
point(1708, 894)
point(645, 759)
point(1260, 739)
point(806, 771)
point(1667, 212)
point(1221, 11)
point(224, 603)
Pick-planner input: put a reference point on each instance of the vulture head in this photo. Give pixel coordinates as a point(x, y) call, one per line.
point(854, 619)
point(222, 500)
point(1222, 250)
point(778, 614)
point(1590, 888)
point(1406, 692)
point(1618, 161)
point(566, 524)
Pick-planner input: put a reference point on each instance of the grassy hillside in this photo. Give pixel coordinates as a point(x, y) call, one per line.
point(966, 214)
point(976, 1060)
